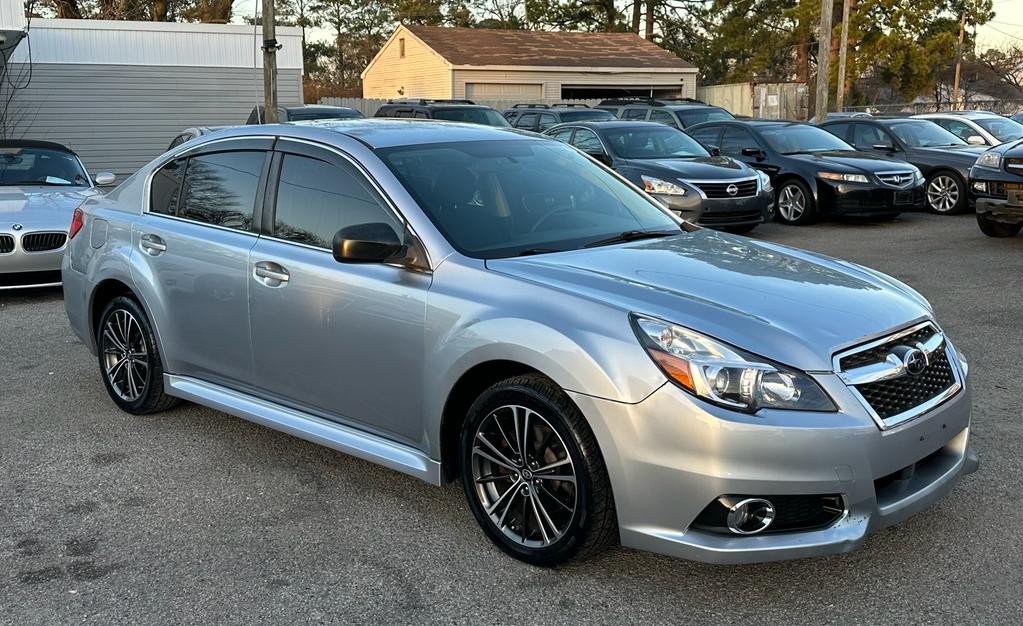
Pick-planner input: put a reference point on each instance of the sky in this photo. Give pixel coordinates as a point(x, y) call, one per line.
point(1005, 29)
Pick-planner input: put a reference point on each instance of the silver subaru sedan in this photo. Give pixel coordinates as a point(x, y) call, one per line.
point(466, 303)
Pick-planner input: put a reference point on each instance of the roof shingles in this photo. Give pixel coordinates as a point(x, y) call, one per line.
point(482, 46)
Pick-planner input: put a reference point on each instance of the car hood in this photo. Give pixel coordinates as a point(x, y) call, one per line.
point(850, 161)
point(42, 207)
point(701, 168)
point(788, 305)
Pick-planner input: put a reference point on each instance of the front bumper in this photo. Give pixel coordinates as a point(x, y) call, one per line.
point(721, 212)
point(671, 455)
point(835, 198)
point(999, 210)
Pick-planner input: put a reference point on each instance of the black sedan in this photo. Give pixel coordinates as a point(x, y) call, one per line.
point(996, 184)
point(710, 190)
point(815, 173)
point(944, 158)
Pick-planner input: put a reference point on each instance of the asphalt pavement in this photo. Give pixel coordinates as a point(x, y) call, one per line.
point(195, 517)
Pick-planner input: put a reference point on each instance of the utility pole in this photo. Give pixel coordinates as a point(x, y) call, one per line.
point(270, 48)
point(959, 62)
point(824, 60)
point(843, 45)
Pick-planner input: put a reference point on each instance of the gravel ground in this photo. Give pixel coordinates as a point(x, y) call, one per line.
point(192, 516)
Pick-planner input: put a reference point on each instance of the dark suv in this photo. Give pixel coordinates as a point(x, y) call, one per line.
point(540, 117)
point(447, 110)
point(305, 112)
point(677, 113)
point(676, 169)
point(996, 183)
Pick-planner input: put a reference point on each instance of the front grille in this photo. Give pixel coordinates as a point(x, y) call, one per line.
point(743, 189)
point(997, 190)
point(6, 244)
point(1014, 165)
point(898, 395)
point(41, 242)
point(896, 179)
point(879, 352)
point(728, 219)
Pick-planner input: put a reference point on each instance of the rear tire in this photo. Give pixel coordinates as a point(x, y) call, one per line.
point(992, 228)
point(129, 359)
point(551, 504)
point(795, 204)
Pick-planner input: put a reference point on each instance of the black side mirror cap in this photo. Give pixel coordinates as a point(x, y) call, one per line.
point(752, 152)
point(374, 242)
point(887, 147)
point(714, 150)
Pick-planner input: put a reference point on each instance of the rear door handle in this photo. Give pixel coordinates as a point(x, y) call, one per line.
point(152, 245)
point(271, 274)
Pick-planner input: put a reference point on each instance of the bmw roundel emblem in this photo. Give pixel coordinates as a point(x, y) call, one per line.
point(732, 190)
point(16, 227)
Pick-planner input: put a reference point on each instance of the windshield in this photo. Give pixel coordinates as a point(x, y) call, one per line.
point(653, 143)
point(586, 114)
point(40, 166)
point(801, 139)
point(924, 134)
point(1002, 128)
point(487, 117)
point(699, 116)
point(495, 199)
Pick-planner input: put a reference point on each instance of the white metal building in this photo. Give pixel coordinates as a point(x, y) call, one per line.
point(118, 92)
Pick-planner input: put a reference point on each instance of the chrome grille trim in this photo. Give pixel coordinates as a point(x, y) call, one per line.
point(895, 178)
point(861, 375)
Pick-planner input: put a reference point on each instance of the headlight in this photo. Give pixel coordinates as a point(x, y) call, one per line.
point(725, 375)
point(990, 159)
point(845, 178)
point(917, 174)
point(765, 181)
point(656, 185)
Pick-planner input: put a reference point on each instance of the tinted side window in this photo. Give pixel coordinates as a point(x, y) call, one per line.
point(663, 117)
point(586, 140)
point(635, 114)
point(839, 130)
point(163, 191)
point(563, 134)
point(734, 140)
point(547, 120)
point(315, 199)
point(527, 121)
point(961, 130)
point(422, 115)
point(865, 136)
point(707, 136)
point(220, 188)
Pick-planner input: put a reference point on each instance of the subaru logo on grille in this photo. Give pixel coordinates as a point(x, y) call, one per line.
point(16, 227)
point(732, 190)
point(915, 361)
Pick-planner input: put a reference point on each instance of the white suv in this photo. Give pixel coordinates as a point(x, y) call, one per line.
point(979, 128)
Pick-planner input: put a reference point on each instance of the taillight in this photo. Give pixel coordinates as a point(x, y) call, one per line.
point(77, 221)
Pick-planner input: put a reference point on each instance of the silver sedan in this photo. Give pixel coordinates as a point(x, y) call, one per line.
point(468, 303)
point(41, 183)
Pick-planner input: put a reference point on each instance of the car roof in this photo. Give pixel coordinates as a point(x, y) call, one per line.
point(967, 114)
point(319, 108)
point(751, 123)
point(382, 132)
point(614, 123)
point(35, 143)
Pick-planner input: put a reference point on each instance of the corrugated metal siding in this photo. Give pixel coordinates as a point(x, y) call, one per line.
point(422, 73)
point(12, 15)
point(555, 80)
point(99, 42)
point(120, 117)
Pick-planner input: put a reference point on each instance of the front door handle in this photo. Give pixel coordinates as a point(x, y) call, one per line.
point(152, 245)
point(271, 274)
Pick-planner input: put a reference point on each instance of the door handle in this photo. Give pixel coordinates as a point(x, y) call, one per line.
point(152, 245)
point(271, 274)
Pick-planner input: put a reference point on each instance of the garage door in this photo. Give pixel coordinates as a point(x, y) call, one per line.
point(502, 91)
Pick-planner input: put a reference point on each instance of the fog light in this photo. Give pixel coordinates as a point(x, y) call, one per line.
point(750, 516)
point(979, 185)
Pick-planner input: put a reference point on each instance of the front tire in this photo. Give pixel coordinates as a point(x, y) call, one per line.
point(129, 359)
point(533, 474)
point(946, 193)
point(795, 205)
point(992, 228)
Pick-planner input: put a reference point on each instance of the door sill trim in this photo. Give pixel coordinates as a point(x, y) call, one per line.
point(338, 437)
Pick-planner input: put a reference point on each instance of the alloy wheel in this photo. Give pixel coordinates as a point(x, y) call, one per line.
point(524, 477)
point(791, 203)
point(125, 356)
point(943, 194)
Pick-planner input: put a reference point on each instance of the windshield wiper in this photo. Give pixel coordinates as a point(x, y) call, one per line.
point(632, 235)
point(532, 251)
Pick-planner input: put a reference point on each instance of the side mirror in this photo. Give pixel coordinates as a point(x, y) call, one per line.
point(603, 157)
point(374, 242)
point(976, 140)
point(887, 147)
point(714, 150)
point(104, 179)
point(753, 152)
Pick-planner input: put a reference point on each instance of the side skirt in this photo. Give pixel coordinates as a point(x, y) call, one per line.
point(304, 426)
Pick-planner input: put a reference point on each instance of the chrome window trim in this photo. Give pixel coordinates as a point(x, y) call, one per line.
point(918, 410)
